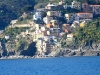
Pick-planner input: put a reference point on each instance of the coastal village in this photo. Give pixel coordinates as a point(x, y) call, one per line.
point(50, 24)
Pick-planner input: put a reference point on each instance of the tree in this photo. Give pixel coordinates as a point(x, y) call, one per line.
point(88, 35)
point(27, 8)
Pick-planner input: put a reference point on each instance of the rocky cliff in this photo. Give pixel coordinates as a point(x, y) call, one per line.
point(85, 51)
point(8, 51)
point(56, 52)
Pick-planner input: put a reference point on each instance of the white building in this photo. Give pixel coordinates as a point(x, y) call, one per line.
point(37, 16)
point(51, 6)
point(69, 37)
point(70, 16)
point(76, 5)
point(53, 13)
point(13, 22)
point(43, 47)
point(7, 37)
point(67, 6)
point(47, 19)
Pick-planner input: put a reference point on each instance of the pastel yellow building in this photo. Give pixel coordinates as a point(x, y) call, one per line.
point(82, 24)
point(54, 22)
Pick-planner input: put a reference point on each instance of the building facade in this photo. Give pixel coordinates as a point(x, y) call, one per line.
point(84, 15)
point(47, 19)
point(95, 9)
point(76, 5)
point(70, 16)
point(53, 13)
point(37, 15)
point(85, 7)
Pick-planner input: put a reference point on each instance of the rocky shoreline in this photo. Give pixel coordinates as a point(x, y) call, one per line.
point(21, 57)
point(55, 52)
point(61, 54)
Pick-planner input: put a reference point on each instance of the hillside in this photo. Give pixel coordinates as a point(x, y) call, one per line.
point(18, 39)
point(12, 9)
point(88, 35)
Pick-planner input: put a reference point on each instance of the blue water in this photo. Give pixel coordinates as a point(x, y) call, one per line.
point(51, 66)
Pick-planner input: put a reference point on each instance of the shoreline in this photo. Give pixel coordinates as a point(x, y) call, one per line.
point(60, 54)
point(27, 57)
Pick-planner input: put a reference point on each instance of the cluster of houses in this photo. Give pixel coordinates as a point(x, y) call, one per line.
point(55, 24)
point(50, 29)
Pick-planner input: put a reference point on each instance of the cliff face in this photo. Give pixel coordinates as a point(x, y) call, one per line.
point(7, 51)
point(56, 52)
point(85, 51)
point(31, 50)
point(3, 51)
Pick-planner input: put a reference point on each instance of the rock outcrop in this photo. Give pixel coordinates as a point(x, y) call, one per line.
point(3, 49)
point(7, 51)
point(31, 50)
point(86, 51)
point(56, 52)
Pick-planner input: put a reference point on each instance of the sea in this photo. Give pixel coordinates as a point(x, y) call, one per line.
point(86, 65)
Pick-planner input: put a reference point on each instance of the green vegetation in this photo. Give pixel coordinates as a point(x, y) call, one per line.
point(22, 44)
point(27, 8)
point(12, 9)
point(14, 31)
point(22, 21)
point(25, 19)
point(88, 35)
point(40, 3)
point(16, 43)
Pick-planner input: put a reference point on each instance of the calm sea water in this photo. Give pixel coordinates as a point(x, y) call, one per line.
point(51, 66)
